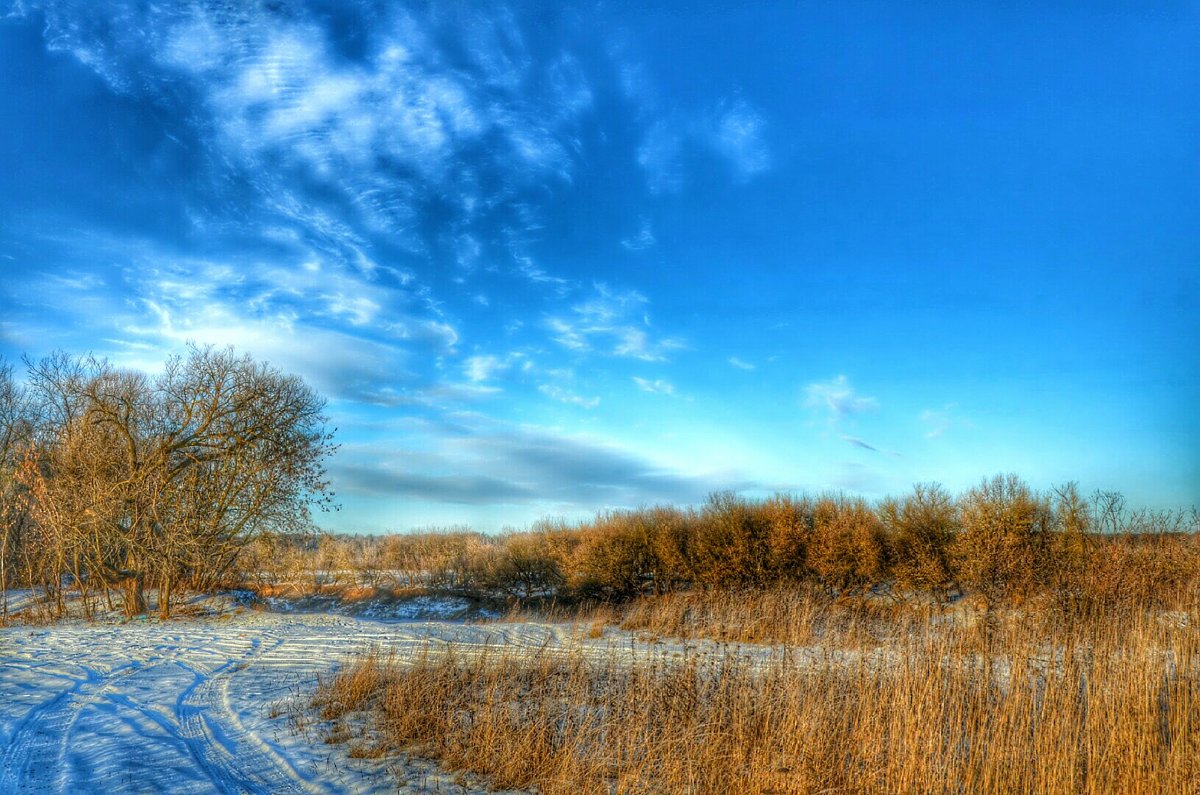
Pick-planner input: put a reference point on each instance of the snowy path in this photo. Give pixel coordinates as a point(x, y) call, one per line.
point(186, 706)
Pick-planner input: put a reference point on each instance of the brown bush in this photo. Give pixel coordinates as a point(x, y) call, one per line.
point(848, 549)
point(789, 530)
point(1000, 541)
point(614, 558)
point(1000, 552)
point(731, 543)
point(922, 528)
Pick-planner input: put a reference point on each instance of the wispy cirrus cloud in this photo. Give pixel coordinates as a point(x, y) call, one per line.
point(436, 119)
point(483, 368)
point(837, 399)
point(737, 132)
point(740, 364)
point(353, 193)
point(733, 132)
point(658, 386)
point(660, 155)
point(642, 239)
point(562, 395)
point(854, 440)
point(614, 322)
point(939, 421)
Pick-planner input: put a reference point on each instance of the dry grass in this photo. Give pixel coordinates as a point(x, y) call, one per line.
point(779, 615)
point(924, 704)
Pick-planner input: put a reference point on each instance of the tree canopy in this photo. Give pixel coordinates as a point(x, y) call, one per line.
point(130, 479)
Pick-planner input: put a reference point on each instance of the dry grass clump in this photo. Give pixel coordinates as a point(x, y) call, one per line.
point(1040, 708)
point(352, 689)
point(779, 615)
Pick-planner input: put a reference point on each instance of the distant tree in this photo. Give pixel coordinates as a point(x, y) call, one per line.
point(615, 557)
point(790, 520)
point(848, 549)
point(732, 543)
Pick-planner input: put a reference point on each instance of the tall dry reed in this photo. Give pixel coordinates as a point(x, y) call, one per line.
point(938, 704)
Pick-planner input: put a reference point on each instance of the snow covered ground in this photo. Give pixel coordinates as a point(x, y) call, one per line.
point(206, 702)
point(201, 704)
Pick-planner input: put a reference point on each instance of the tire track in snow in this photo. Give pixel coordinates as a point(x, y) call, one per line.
point(229, 756)
point(185, 707)
point(33, 757)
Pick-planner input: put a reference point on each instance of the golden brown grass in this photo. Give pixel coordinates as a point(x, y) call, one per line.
point(916, 702)
point(779, 615)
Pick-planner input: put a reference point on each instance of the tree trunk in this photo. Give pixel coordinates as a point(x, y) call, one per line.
point(4, 577)
point(164, 597)
point(135, 594)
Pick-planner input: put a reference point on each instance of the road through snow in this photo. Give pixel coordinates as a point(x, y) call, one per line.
point(198, 705)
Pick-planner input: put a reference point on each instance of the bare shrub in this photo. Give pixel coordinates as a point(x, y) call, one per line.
point(616, 557)
point(1000, 553)
point(922, 527)
point(790, 528)
point(848, 549)
point(731, 543)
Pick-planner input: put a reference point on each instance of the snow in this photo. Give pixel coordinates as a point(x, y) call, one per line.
point(203, 704)
point(206, 702)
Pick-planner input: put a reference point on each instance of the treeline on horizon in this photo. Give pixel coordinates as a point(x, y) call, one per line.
point(1001, 542)
point(202, 476)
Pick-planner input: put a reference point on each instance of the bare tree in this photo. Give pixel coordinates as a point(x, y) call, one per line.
point(15, 435)
point(152, 480)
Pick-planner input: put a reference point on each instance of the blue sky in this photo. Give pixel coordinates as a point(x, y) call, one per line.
point(545, 259)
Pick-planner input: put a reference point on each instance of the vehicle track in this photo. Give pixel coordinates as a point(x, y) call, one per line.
point(230, 756)
point(26, 762)
point(187, 707)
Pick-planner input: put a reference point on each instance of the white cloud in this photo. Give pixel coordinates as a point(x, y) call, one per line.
point(738, 134)
point(655, 387)
point(740, 364)
point(838, 398)
point(360, 364)
point(483, 368)
point(359, 310)
point(526, 267)
point(659, 156)
point(556, 392)
point(938, 421)
point(636, 343)
point(641, 241)
point(390, 136)
point(566, 335)
point(734, 131)
point(616, 323)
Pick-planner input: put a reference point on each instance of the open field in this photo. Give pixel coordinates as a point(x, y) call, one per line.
point(768, 691)
point(203, 703)
point(875, 701)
